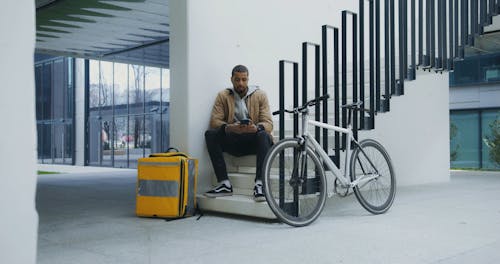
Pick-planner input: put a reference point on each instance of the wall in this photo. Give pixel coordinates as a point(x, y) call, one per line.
point(474, 97)
point(19, 220)
point(80, 112)
point(209, 37)
point(416, 130)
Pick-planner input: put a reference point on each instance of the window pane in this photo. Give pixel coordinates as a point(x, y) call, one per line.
point(47, 91)
point(136, 89)
point(135, 145)
point(106, 141)
point(95, 138)
point(106, 81)
point(121, 82)
point(490, 119)
point(94, 84)
point(465, 142)
point(58, 88)
point(165, 84)
point(153, 84)
point(121, 142)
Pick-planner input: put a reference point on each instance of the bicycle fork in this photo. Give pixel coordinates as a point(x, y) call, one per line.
point(367, 176)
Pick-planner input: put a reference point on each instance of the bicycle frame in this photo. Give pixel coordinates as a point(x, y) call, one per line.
point(309, 139)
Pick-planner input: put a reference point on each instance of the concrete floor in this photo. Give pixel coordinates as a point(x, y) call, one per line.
point(88, 217)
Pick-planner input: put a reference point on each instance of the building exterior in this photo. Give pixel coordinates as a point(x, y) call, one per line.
point(474, 107)
point(123, 110)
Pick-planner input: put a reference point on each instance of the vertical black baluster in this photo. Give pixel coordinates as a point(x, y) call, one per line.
point(282, 132)
point(484, 14)
point(336, 93)
point(433, 33)
point(296, 126)
point(355, 72)
point(304, 73)
point(456, 26)
point(400, 82)
point(492, 9)
point(392, 49)
point(440, 37)
point(451, 36)
point(282, 99)
point(387, 56)
point(344, 73)
point(444, 60)
point(427, 56)
point(295, 98)
point(473, 20)
point(377, 61)
point(412, 71)
point(373, 68)
point(465, 19)
point(324, 47)
point(317, 91)
point(405, 38)
point(361, 61)
point(420, 33)
point(296, 104)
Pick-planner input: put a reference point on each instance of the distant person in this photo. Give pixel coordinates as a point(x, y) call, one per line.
point(240, 124)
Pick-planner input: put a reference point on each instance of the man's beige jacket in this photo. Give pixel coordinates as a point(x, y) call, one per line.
point(257, 105)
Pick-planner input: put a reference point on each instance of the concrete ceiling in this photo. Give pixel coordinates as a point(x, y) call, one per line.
point(138, 31)
point(133, 31)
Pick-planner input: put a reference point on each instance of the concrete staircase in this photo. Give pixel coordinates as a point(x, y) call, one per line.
point(241, 172)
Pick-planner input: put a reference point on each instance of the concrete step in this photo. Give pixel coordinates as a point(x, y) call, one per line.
point(236, 204)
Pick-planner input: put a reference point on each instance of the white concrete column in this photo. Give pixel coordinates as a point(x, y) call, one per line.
point(79, 121)
point(19, 220)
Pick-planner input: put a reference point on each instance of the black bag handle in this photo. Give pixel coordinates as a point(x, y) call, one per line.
point(172, 148)
point(180, 154)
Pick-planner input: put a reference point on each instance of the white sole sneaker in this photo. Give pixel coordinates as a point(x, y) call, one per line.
point(215, 195)
point(259, 199)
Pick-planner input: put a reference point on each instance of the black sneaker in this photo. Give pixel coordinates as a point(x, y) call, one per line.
point(220, 190)
point(258, 194)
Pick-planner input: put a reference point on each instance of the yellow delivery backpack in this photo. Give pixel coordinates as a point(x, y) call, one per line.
point(166, 185)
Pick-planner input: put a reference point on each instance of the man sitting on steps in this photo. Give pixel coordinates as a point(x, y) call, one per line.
point(240, 124)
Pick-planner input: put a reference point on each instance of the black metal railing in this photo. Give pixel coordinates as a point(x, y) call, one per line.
point(445, 30)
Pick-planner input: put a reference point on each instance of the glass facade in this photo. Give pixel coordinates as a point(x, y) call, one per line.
point(54, 84)
point(484, 69)
point(469, 130)
point(128, 113)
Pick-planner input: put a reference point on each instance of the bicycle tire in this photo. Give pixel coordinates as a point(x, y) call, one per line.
point(293, 202)
point(375, 195)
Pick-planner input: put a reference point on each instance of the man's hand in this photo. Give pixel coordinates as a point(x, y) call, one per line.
point(241, 129)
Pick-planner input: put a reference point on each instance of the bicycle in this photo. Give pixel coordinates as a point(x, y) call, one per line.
point(295, 183)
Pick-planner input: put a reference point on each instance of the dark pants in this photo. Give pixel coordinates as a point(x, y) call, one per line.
point(237, 145)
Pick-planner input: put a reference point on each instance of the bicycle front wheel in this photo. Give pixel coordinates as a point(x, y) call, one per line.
point(294, 183)
point(371, 166)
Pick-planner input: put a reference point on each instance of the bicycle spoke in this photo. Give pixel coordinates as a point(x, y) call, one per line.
point(370, 159)
point(296, 182)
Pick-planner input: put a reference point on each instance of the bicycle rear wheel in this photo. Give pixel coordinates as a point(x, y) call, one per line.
point(371, 165)
point(294, 183)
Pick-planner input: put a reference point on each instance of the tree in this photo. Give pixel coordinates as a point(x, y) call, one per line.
point(493, 141)
point(139, 74)
point(453, 134)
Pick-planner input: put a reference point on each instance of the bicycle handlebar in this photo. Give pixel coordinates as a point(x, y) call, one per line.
point(306, 105)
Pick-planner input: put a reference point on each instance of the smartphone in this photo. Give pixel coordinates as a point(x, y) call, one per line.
point(244, 121)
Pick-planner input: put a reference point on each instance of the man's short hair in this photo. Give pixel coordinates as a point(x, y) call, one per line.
point(239, 68)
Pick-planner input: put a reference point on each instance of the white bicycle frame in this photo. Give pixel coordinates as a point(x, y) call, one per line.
point(343, 178)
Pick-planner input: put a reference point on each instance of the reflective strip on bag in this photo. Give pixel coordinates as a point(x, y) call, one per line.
point(158, 188)
point(160, 164)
